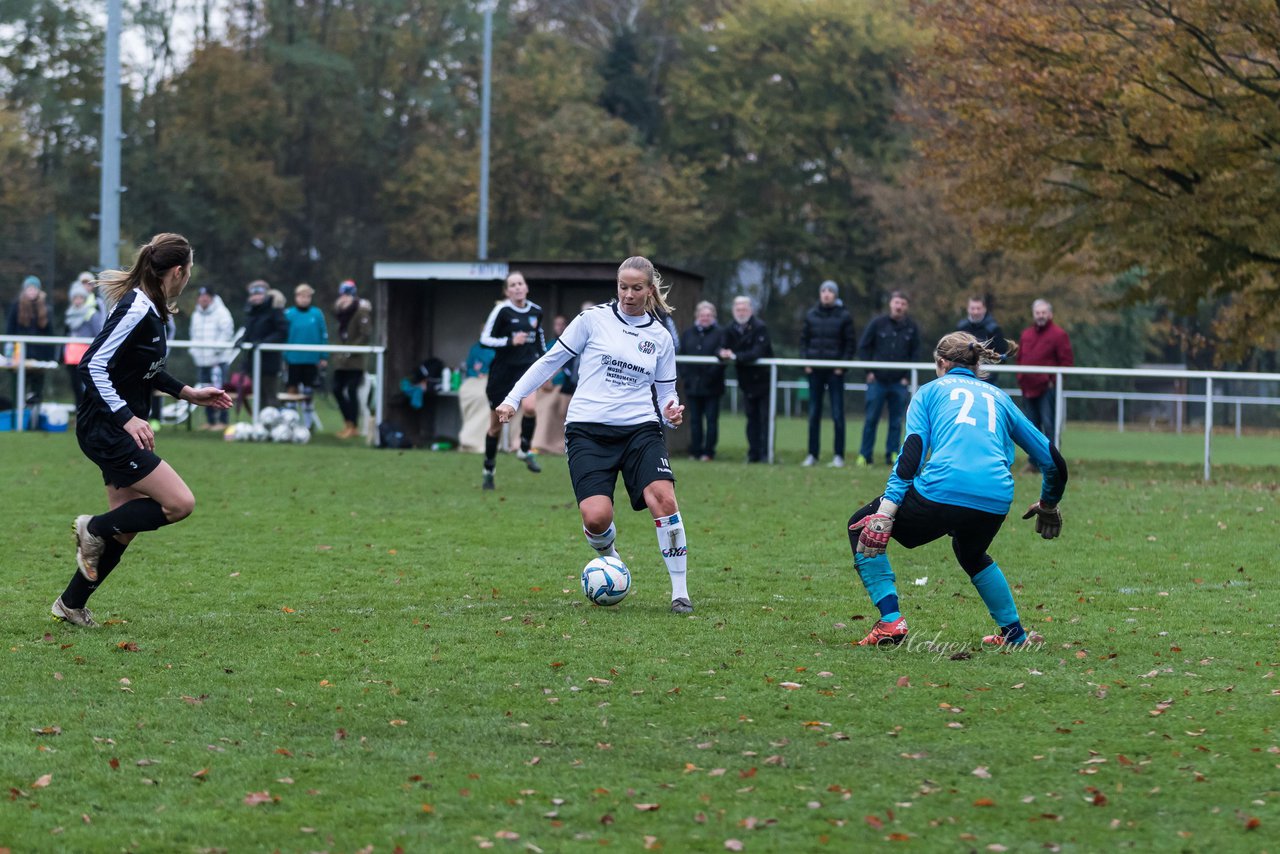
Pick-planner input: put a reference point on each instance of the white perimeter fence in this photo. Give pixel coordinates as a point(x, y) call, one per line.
point(21, 366)
point(917, 370)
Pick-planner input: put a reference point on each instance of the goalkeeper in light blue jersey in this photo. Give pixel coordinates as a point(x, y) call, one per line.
point(952, 478)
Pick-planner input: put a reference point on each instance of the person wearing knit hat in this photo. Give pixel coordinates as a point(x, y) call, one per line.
point(827, 335)
point(354, 327)
point(29, 315)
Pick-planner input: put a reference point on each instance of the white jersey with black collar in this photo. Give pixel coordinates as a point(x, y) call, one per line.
point(621, 358)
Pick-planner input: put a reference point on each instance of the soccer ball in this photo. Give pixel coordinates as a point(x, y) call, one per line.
point(606, 581)
point(269, 417)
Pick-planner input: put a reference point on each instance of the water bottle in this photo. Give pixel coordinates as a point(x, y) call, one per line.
point(445, 379)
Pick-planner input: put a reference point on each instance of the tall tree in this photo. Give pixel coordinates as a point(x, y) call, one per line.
point(788, 110)
point(51, 76)
point(1119, 134)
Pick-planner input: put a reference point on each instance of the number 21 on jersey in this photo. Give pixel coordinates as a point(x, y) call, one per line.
point(965, 418)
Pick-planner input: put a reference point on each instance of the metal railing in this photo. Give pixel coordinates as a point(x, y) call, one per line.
point(21, 366)
point(916, 369)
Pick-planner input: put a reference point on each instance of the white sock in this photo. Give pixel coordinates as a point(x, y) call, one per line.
point(602, 543)
point(674, 552)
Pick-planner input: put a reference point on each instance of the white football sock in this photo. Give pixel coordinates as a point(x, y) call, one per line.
point(674, 552)
point(602, 543)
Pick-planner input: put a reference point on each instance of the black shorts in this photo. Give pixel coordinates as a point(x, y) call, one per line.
point(503, 378)
point(111, 449)
point(303, 375)
point(920, 521)
point(597, 452)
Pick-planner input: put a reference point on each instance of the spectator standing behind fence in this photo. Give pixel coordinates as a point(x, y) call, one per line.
point(827, 334)
point(306, 326)
point(29, 315)
point(211, 323)
point(82, 320)
point(265, 323)
point(979, 323)
point(746, 341)
point(1042, 343)
point(703, 384)
point(891, 337)
point(355, 329)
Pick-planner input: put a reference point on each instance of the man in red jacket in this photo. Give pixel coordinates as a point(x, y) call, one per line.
point(1043, 343)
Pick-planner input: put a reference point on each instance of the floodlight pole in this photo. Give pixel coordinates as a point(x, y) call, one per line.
point(482, 237)
point(109, 198)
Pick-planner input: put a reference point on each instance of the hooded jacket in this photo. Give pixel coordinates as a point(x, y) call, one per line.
point(265, 323)
point(212, 324)
point(358, 332)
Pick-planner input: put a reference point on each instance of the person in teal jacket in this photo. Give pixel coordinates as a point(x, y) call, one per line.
point(306, 326)
point(952, 479)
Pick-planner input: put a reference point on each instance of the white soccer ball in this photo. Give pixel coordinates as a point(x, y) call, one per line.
point(289, 416)
point(300, 435)
point(269, 417)
point(282, 433)
point(606, 581)
point(258, 433)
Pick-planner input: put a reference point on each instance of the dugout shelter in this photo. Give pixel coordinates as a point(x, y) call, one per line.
point(437, 308)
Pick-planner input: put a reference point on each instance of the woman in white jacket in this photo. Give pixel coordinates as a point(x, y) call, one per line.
point(211, 322)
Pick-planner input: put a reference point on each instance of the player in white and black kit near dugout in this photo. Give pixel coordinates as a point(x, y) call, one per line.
point(625, 353)
point(514, 332)
point(120, 370)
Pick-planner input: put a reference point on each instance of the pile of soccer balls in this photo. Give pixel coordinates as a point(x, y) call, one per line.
point(276, 425)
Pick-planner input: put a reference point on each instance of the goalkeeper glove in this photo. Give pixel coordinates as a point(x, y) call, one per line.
point(1048, 519)
point(875, 530)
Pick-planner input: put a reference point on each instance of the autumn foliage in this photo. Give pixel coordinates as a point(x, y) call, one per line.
point(1111, 134)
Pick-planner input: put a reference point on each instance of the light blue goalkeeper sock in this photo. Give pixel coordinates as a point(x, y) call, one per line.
point(877, 576)
point(996, 594)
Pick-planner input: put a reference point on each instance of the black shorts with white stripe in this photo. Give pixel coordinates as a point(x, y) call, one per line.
point(598, 452)
point(114, 451)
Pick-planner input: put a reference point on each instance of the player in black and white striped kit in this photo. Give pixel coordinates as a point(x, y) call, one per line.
point(514, 331)
point(120, 370)
point(612, 427)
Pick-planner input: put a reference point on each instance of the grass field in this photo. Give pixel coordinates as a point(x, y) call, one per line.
point(345, 648)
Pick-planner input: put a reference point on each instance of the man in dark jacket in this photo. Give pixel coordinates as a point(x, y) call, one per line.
point(981, 325)
point(891, 337)
point(265, 323)
point(703, 384)
point(827, 334)
point(745, 342)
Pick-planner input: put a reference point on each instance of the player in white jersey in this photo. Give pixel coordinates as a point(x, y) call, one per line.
point(624, 355)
